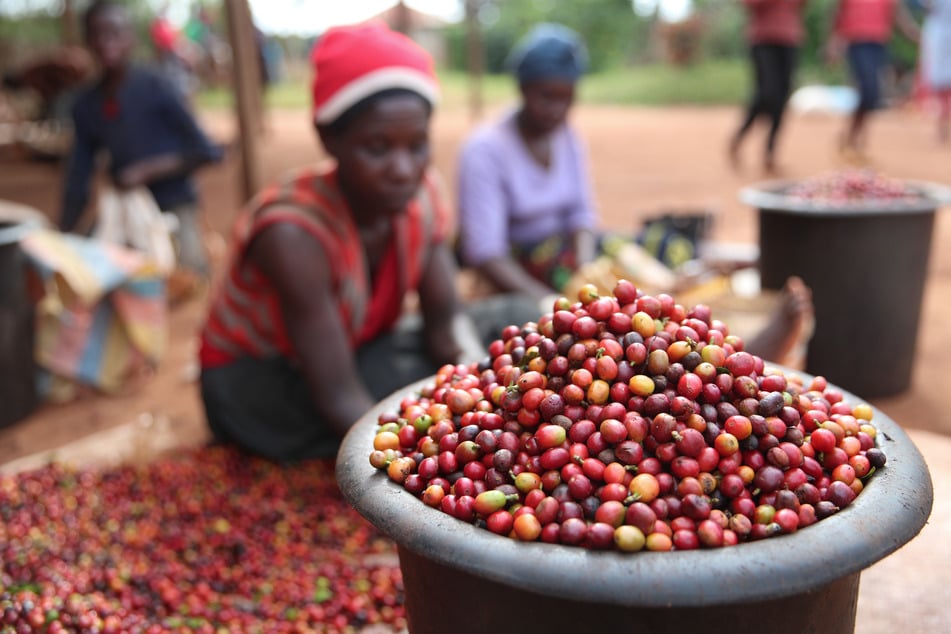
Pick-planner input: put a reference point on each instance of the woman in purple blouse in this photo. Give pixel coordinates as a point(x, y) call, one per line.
point(526, 214)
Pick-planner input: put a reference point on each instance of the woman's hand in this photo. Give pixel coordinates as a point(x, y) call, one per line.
point(146, 171)
point(131, 177)
point(450, 336)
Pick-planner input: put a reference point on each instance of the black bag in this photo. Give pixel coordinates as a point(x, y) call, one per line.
point(674, 238)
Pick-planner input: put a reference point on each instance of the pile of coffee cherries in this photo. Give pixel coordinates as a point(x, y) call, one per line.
point(628, 422)
point(206, 541)
point(850, 187)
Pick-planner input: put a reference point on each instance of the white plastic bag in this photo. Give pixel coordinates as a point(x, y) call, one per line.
point(133, 219)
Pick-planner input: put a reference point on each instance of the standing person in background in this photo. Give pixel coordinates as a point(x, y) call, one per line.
point(143, 125)
point(210, 50)
point(174, 55)
point(775, 33)
point(935, 62)
point(526, 210)
point(861, 30)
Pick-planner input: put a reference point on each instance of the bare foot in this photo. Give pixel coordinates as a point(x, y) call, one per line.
point(784, 338)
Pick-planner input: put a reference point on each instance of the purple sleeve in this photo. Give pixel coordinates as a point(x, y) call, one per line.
point(483, 222)
point(583, 216)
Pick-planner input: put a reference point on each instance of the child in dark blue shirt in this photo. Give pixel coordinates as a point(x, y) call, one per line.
point(141, 122)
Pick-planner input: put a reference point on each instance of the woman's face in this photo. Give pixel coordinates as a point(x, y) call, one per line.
point(381, 154)
point(110, 37)
point(545, 103)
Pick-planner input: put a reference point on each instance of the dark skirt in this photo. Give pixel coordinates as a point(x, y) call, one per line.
point(264, 406)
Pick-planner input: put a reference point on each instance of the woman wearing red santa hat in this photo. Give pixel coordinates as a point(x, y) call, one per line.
point(307, 330)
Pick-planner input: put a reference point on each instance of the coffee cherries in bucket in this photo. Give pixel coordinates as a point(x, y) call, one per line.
point(628, 422)
point(852, 187)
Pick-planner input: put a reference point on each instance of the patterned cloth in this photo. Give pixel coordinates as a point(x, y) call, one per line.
point(102, 315)
point(553, 261)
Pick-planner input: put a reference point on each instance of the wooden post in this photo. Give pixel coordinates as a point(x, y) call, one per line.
point(70, 24)
point(475, 58)
point(247, 88)
point(401, 18)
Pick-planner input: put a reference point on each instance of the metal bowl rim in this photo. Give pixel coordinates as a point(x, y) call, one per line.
point(888, 513)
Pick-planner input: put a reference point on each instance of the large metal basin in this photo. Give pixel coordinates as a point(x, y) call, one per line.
point(463, 579)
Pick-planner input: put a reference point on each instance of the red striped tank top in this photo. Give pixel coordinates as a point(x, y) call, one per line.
point(244, 318)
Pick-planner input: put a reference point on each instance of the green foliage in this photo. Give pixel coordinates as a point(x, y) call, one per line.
point(612, 31)
point(42, 29)
point(39, 30)
point(817, 21)
point(710, 82)
point(724, 27)
point(703, 83)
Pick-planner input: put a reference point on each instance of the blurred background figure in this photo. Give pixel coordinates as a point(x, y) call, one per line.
point(526, 211)
point(175, 55)
point(775, 33)
point(141, 122)
point(861, 31)
point(210, 47)
point(936, 62)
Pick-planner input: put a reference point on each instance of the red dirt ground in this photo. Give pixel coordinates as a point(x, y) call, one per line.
point(644, 161)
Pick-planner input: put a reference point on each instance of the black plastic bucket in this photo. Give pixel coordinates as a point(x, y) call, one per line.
point(867, 267)
point(18, 397)
point(463, 579)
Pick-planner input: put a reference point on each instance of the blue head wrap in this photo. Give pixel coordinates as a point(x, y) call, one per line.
point(549, 51)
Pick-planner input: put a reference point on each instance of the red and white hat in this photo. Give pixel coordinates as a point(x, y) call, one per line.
point(356, 61)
